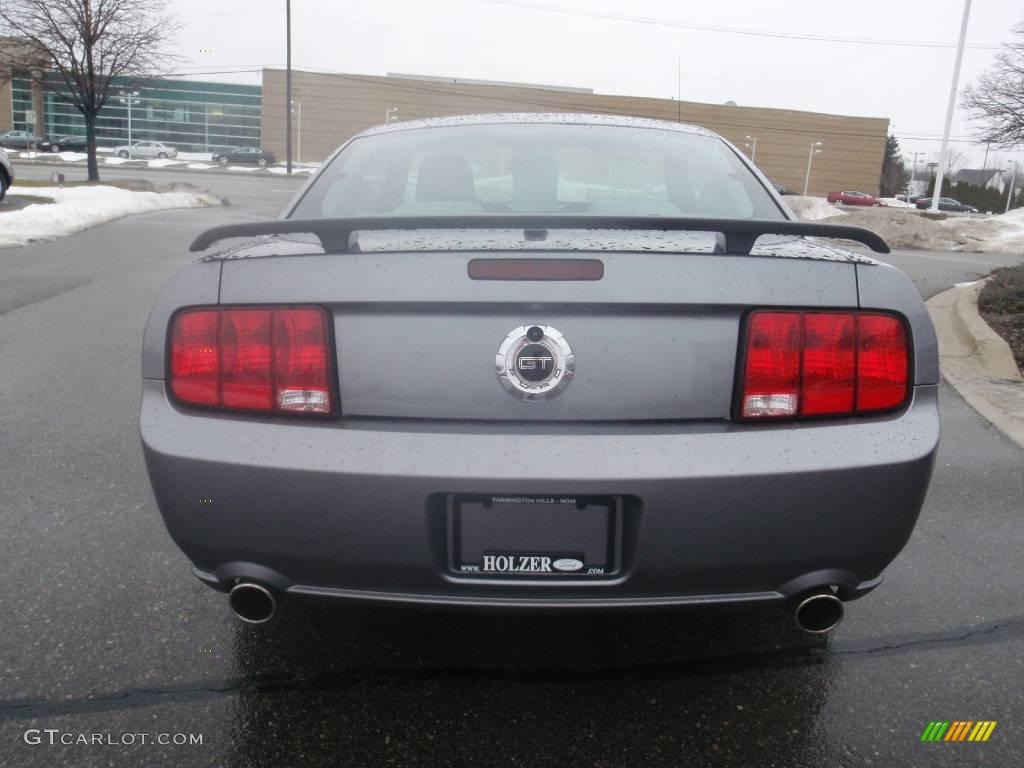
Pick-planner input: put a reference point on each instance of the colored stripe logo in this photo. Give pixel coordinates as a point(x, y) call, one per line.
point(958, 730)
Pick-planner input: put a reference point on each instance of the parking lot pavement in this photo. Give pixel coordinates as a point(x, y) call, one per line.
point(105, 632)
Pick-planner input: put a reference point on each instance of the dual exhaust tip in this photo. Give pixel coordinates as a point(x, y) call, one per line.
point(252, 603)
point(817, 613)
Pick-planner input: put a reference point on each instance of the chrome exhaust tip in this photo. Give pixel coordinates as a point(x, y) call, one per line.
point(252, 603)
point(819, 613)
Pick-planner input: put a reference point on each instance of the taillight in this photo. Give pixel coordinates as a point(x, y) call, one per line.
point(260, 359)
point(810, 363)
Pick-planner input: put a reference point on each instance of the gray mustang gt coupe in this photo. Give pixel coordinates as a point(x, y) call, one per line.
point(540, 361)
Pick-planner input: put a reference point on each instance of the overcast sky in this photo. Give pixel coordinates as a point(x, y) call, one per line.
point(635, 48)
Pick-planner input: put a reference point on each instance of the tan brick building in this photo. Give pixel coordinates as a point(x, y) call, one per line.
point(336, 106)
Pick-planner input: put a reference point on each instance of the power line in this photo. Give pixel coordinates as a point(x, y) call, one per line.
point(729, 30)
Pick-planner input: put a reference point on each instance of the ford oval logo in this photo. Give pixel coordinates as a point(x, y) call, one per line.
point(567, 564)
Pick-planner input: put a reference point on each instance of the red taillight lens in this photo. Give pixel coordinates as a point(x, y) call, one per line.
point(830, 345)
point(821, 363)
point(300, 361)
point(262, 359)
point(195, 357)
point(772, 381)
point(881, 362)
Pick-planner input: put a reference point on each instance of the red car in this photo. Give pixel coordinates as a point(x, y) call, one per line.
point(854, 198)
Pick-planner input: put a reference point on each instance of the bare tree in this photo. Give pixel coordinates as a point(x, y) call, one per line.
point(996, 100)
point(76, 48)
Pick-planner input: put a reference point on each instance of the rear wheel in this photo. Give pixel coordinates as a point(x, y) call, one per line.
point(876, 205)
point(262, 162)
point(3, 185)
point(55, 147)
point(222, 160)
point(161, 156)
point(123, 154)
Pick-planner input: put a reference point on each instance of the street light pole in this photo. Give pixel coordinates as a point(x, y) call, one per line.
point(297, 110)
point(288, 86)
point(951, 106)
point(913, 172)
point(753, 149)
point(127, 99)
point(1013, 181)
point(810, 158)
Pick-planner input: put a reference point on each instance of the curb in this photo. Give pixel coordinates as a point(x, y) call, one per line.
point(995, 354)
point(976, 361)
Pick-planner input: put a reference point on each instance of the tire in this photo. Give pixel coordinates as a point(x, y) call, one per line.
point(876, 205)
point(262, 162)
point(3, 185)
point(838, 202)
point(161, 156)
point(222, 160)
point(55, 148)
point(123, 154)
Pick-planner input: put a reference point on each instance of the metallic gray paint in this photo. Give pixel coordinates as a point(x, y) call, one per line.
point(715, 511)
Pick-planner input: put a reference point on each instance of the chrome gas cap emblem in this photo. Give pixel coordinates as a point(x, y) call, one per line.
point(534, 362)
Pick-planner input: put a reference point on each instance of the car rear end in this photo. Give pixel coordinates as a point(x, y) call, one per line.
point(539, 417)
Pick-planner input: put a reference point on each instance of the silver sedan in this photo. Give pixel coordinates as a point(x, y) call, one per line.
point(146, 149)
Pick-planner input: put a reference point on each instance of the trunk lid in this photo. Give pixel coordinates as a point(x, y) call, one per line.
point(654, 339)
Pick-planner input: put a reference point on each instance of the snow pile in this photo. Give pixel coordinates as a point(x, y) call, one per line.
point(78, 208)
point(812, 208)
point(903, 228)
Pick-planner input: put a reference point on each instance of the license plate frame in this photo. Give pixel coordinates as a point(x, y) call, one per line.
point(512, 533)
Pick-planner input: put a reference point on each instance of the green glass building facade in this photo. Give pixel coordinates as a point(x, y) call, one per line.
point(189, 115)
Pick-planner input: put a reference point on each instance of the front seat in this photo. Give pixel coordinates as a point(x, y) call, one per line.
point(445, 178)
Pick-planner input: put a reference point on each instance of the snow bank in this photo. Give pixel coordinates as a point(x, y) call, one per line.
point(812, 208)
point(901, 228)
point(282, 169)
point(196, 156)
point(78, 208)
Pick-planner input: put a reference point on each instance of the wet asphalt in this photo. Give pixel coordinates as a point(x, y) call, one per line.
point(103, 631)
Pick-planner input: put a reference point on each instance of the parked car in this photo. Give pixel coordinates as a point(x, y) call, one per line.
point(144, 149)
point(19, 140)
point(397, 408)
point(64, 144)
point(6, 173)
point(946, 204)
point(854, 198)
point(245, 155)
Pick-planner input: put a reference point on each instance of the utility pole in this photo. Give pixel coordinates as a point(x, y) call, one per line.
point(951, 106)
point(810, 158)
point(288, 86)
point(984, 165)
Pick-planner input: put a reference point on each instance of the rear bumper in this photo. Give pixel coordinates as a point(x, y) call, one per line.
point(718, 513)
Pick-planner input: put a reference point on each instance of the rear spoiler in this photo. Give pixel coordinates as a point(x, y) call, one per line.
point(737, 235)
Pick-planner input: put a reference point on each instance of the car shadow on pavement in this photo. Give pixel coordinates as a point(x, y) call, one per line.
point(375, 685)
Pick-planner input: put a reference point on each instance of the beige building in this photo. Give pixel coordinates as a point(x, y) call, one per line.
point(335, 106)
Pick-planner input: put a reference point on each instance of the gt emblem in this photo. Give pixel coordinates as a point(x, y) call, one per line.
point(534, 362)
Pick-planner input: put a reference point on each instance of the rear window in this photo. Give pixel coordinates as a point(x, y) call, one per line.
point(537, 169)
